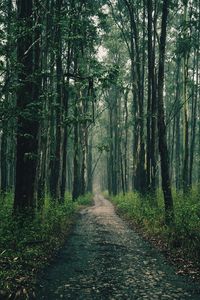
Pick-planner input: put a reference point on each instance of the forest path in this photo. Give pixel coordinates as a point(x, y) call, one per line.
point(104, 259)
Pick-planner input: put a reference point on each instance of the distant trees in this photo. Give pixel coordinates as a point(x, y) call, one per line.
point(167, 99)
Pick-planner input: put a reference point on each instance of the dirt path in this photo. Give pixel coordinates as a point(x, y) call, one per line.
point(104, 259)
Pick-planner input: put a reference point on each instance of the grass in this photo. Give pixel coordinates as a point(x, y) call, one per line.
point(28, 244)
point(184, 236)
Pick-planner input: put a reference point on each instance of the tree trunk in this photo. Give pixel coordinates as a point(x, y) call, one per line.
point(27, 98)
point(178, 130)
point(76, 174)
point(152, 104)
point(89, 164)
point(186, 112)
point(166, 182)
point(194, 116)
point(56, 171)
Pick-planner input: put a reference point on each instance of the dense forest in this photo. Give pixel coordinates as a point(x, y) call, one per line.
point(100, 96)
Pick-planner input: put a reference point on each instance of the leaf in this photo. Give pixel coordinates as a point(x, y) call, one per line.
point(2, 252)
point(21, 279)
point(25, 292)
point(16, 258)
point(18, 293)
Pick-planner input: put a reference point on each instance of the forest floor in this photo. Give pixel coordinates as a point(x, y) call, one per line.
point(105, 259)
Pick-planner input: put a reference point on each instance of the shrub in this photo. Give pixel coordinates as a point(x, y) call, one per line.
point(28, 243)
point(185, 234)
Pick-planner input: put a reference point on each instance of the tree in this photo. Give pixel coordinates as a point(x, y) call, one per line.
point(163, 149)
point(5, 124)
point(27, 105)
point(152, 102)
point(56, 162)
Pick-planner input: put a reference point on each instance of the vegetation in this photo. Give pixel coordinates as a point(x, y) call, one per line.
point(97, 95)
point(183, 237)
point(28, 244)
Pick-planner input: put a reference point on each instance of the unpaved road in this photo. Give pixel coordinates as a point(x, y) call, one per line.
point(104, 259)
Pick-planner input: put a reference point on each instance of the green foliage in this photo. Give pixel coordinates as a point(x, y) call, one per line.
point(28, 243)
point(140, 210)
point(184, 235)
point(84, 200)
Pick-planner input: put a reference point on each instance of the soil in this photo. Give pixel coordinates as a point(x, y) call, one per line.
point(105, 259)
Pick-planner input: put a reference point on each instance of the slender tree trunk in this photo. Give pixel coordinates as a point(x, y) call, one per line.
point(126, 177)
point(152, 105)
point(178, 129)
point(149, 101)
point(89, 163)
point(163, 149)
point(185, 128)
point(76, 173)
point(194, 117)
point(57, 161)
point(172, 148)
point(186, 112)
point(5, 124)
point(44, 128)
point(64, 167)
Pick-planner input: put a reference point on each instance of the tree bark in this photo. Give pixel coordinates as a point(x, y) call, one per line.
point(163, 149)
point(27, 99)
point(56, 171)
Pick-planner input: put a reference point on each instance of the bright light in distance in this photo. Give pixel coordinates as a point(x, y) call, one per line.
point(102, 53)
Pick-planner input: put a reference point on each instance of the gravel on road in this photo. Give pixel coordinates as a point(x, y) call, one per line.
point(105, 259)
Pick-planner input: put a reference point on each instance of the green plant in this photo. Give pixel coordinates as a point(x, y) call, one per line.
point(184, 234)
point(28, 243)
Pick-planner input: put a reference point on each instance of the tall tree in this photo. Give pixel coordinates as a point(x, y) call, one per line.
point(5, 124)
point(56, 163)
point(185, 101)
point(163, 149)
point(152, 102)
point(27, 106)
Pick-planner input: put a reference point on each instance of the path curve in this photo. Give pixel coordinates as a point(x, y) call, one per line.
point(104, 259)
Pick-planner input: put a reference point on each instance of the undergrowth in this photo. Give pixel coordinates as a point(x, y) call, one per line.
point(27, 243)
point(184, 235)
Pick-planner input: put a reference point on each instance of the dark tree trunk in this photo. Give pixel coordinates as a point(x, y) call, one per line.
point(56, 171)
point(186, 111)
point(44, 128)
point(89, 164)
point(76, 173)
point(4, 162)
point(194, 116)
point(27, 97)
point(186, 130)
point(163, 149)
point(178, 129)
point(65, 141)
point(5, 124)
point(126, 170)
point(150, 74)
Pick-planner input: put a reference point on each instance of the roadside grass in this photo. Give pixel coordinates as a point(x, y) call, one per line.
point(28, 244)
point(183, 237)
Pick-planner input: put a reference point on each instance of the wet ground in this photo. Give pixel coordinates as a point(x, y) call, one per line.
point(104, 259)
